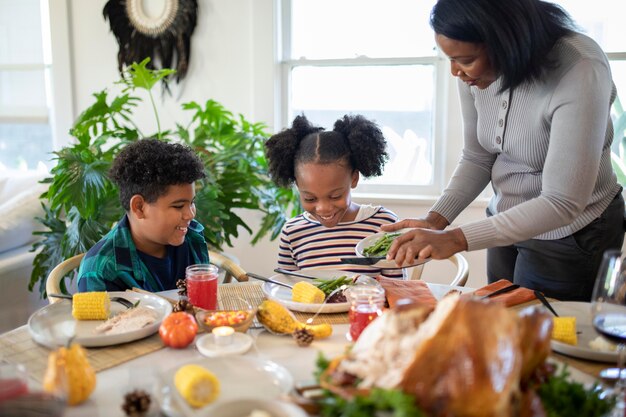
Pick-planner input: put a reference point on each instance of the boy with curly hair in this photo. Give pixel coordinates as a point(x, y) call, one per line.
point(157, 238)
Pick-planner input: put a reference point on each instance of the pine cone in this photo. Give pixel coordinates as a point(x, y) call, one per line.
point(136, 403)
point(303, 337)
point(181, 284)
point(183, 305)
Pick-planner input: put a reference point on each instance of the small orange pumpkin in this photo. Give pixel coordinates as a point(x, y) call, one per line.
point(69, 371)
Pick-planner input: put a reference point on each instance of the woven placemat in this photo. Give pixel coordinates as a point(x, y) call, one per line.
point(17, 346)
point(253, 293)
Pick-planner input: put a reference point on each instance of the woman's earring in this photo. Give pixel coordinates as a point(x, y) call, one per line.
point(458, 73)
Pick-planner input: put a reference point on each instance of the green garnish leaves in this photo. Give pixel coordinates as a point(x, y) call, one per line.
point(565, 398)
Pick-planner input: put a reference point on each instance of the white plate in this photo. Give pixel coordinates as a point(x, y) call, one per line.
point(384, 264)
point(53, 324)
point(582, 312)
point(283, 294)
point(242, 408)
point(241, 378)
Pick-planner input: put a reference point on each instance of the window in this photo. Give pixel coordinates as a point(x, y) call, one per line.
point(31, 119)
point(379, 59)
point(372, 58)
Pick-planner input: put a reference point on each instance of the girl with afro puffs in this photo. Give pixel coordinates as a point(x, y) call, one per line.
point(325, 166)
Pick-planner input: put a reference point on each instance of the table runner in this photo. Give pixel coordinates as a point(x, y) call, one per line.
point(16, 346)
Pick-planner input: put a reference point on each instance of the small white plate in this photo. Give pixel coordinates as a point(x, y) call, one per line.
point(241, 378)
point(242, 408)
point(582, 312)
point(53, 325)
point(240, 344)
point(384, 264)
point(283, 294)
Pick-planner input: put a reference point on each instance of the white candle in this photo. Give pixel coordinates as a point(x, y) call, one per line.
point(223, 335)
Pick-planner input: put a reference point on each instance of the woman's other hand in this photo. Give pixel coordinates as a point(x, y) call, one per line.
point(424, 243)
point(432, 220)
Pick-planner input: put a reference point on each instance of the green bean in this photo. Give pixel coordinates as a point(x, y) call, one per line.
point(381, 246)
point(330, 285)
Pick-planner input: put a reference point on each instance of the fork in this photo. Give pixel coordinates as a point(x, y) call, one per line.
point(123, 301)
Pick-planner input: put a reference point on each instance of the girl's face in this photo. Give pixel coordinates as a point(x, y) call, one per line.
point(163, 222)
point(325, 191)
point(468, 61)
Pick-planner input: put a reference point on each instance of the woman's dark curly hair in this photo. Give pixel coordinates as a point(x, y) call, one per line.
point(148, 166)
point(518, 34)
point(354, 140)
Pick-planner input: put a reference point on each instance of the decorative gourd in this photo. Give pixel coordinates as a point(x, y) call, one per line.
point(69, 371)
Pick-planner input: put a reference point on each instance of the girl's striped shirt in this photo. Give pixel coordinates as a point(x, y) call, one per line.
point(305, 243)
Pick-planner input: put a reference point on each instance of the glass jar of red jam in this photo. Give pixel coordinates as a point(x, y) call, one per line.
point(366, 304)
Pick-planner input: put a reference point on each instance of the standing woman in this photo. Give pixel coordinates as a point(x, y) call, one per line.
point(535, 99)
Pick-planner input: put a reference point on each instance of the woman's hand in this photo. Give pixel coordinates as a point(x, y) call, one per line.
point(424, 243)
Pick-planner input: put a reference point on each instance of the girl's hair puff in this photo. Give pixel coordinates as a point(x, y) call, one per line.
point(355, 141)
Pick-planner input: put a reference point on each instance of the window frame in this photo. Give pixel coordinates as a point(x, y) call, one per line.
point(56, 67)
point(442, 147)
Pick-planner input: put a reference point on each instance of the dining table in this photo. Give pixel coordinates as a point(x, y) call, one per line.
point(139, 364)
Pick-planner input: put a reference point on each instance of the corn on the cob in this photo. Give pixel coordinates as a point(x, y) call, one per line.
point(276, 318)
point(91, 305)
point(304, 292)
point(197, 385)
point(564, 330)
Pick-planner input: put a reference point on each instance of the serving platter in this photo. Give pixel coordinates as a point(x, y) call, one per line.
point(384, 263)
point(241, 379)
point(283, 295)
point(53, 325)
point(585, 330)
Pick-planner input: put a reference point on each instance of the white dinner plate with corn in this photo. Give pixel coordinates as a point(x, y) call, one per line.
point(284, 295)
point(585, 334)
point(54, 325)
point(239, 378)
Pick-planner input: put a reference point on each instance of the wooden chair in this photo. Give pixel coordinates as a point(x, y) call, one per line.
point(53, 282)
point(460, 277)
point(228, 266)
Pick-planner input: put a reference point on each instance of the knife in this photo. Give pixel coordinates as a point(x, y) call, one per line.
point(501, 291)
point(259, 277)
point(545, 302)
point(294, 273)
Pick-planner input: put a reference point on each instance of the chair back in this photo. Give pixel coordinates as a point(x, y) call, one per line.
point(460, 276)
point(228, 266)
point(53, 282)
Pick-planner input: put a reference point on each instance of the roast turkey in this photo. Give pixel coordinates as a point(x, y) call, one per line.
point(467, 358)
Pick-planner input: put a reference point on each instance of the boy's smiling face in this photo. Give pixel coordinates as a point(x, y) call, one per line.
point(163, 222)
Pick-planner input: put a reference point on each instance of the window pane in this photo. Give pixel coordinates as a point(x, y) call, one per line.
point(351, 28)
point(603, 20)
point(22, 89)
point(22, 146)
point(20, 32)
point(398, 98)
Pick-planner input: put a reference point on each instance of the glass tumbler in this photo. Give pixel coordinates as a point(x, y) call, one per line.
point(202, 285)
point(366, 304)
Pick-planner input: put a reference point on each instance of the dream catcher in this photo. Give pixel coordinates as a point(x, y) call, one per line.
point(165, 39)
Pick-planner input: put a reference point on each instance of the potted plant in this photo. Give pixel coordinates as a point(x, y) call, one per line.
point(81, 202)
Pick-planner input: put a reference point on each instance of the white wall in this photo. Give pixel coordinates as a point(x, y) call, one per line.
point(233, 62)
